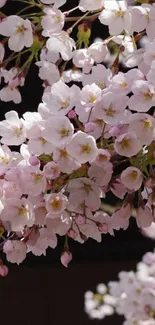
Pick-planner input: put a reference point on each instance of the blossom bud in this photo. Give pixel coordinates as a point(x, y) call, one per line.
point(71, 114)
point(72, 233)
point(89, 127)
point(103, 227)
point(84, 33)
point(80, 219)
point(66, 257)
point(3, 270)
point(34, 161)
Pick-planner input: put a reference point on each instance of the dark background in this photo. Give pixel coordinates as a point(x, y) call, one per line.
point(41, 290)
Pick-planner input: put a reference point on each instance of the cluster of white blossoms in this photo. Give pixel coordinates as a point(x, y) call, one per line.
point(93, 133)
point(132, 296)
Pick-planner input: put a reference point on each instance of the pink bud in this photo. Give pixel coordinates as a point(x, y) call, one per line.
point(103, 228)
point(71, 114)
point(3, 270)
point(114, 131)
point(66, 257)
point(34, 161)
point(72, 233)
point(89, 127)
point(117, 130)
point(80, 219)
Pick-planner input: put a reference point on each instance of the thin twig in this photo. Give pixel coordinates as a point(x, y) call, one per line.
point(91, 18)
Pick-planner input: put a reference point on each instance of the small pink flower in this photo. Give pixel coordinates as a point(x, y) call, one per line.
point(34, 161)
point(51, 170)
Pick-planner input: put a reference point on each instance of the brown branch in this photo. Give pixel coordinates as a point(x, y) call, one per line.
point(90, 18)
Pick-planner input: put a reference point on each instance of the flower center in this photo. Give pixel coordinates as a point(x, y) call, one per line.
point(119, 13)
point(22, 211)
point(56, 204)
point(58, 19)
point(43, 141)
point(87, 188)
point(125, 143)
point(99, 122)
point(64, 103)
point(92, 98)
point(20, 29)
point(18, 131)
point(100, 84)
point(85, 148)
point(110, 112)
point(148, 95)
point(4, 160)
point(64, 132)
point(123, 84)
point(37, 177)
point(133, 175)
point(147, 124)
point(63, 153)
point(102, 157)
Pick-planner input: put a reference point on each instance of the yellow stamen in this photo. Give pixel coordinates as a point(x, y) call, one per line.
point(85, 148)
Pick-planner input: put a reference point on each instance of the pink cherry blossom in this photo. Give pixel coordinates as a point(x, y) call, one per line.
point(61, 99)
point(32, 180)
point(98, 51)
point(61, 43)
point(56, 204)
point(116, 16)
point(12, 129)
point(51, 170)
point(60, 133)
point(19, 212)
point(143, 125)
point(111, 108)
point(132, 178)
point(127, 145)
point(82, 147)
point(101, 174)
point(19, 31)
point(15, 251)
point(52, 21)
point(48, 71)
point(143, 96)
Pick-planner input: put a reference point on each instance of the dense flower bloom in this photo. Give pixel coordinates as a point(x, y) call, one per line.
point(92, 135)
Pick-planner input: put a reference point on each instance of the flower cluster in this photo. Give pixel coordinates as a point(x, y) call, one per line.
point(132, 296)
point(93, 133)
